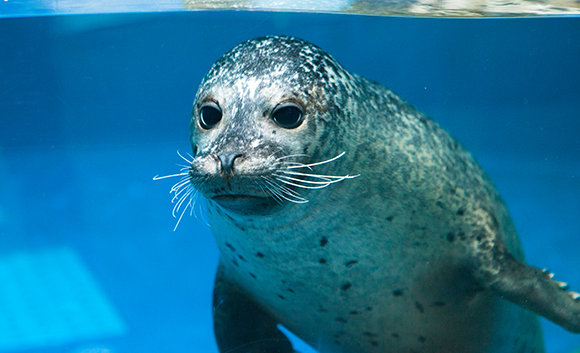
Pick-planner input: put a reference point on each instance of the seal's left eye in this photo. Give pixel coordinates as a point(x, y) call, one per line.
point(209, 116)
point(288, 116)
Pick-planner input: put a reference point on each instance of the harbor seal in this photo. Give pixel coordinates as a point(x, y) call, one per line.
point(348, 216)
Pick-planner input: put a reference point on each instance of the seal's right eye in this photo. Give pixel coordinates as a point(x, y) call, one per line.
point(209, 116)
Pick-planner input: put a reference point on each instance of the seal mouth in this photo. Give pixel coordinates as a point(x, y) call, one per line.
point(246, 204)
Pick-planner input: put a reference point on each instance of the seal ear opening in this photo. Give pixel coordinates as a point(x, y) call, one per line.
point(288, 116)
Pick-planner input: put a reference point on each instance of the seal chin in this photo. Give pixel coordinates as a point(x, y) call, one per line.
point(246, 204)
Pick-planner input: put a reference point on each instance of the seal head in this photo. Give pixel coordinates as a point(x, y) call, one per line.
point(256, 119)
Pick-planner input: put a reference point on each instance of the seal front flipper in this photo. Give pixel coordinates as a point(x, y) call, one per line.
point(240, 325)
point(526, 286)
point(534, 290)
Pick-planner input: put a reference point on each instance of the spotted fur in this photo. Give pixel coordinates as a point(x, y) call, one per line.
point(417, 254)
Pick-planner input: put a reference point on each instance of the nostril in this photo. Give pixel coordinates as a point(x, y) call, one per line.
point(227, 161)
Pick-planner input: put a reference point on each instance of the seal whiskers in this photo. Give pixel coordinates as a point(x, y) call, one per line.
point(325, 179)
point(320, 163)
point(284, 175)
point(320, 180)
point(183, 191)
point(281, 192)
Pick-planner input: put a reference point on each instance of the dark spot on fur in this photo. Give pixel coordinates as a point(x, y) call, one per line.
point(235, 262)
point(450, 237)
point(340, 319)
point(374, 343)
point(252, 275)
point(283, 281)
point(419, 307)
point(395, 335)
point(281, 297)
point(259, 254)
point(323, 241)
point(322, 261)
point(241, 258)
point(398, 292)
point(369, 308)
point(460, 212)
point(353, 312)
point(273, 132)
point(390, 218)
point(439, 204)
point(421, 339)
point(230, 246)
point(290, 290)
point(337, 342)
point(346, 286)
point(438, 304)
point(322, 310)
point(351, 263)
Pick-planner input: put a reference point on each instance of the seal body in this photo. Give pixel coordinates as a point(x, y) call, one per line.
point(416, 254)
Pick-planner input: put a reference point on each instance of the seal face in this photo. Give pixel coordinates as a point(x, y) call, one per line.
point(254, 124)
point(417, 254)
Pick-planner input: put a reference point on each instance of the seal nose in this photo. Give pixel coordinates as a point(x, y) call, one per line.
point(227, 161)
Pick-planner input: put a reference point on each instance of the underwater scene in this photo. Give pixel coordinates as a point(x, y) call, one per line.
point(94, 106)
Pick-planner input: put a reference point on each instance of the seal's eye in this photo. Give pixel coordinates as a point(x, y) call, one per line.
point(209, 116)
point(288, 116)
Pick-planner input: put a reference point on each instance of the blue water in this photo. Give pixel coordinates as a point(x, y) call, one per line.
point(93, 106)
